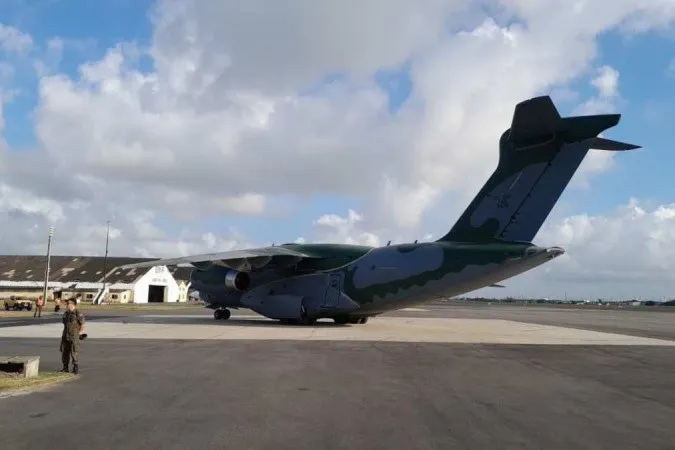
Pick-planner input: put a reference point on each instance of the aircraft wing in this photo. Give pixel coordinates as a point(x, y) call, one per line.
point(243, 260)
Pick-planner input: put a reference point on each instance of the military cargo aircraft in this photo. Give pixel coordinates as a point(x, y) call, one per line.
point(490, 242)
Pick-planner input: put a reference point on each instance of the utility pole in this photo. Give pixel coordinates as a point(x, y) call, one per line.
point(49, 254)
point(105, 261)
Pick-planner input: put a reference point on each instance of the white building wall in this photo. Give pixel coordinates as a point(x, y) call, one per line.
point(159, 276)
point(119, 296)
point(182, 292)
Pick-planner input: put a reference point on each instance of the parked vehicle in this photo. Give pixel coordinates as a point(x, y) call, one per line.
point(17, 303)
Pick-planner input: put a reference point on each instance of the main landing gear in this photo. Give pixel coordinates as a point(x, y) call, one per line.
point(221, 314)
point(343, 320)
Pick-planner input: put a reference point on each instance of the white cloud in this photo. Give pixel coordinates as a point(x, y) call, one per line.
point(18, 200)
point(221, 107)
point(605, 102)
point(345, 230)
point(607, 82)
point(626, 252)
point(12, 40)
point(232, 120)
point(277, 47)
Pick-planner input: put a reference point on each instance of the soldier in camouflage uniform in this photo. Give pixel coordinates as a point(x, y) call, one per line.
point(73, 325)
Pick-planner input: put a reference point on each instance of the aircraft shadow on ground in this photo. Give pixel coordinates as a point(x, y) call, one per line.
point(234, 321)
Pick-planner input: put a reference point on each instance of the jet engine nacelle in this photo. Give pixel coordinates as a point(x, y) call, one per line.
point(219, 280)
point(239, 281)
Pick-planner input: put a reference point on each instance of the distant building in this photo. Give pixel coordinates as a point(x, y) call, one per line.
point(82, 276)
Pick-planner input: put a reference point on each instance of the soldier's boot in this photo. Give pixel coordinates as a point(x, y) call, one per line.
point(65, 368)
point(76, 369)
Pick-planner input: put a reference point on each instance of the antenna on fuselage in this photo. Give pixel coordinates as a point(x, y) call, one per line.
point(388, 243)
point(415, 241)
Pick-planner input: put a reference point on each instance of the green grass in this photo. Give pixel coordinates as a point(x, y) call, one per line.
point(13, 382)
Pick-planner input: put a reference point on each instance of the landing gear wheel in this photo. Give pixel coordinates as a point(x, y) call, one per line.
point(221, 314)
point(357, 320)
point(341, 320)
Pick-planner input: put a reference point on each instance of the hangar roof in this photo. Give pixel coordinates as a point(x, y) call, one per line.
point(74, 269)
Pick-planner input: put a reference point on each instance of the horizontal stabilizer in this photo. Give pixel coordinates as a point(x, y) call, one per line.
point(497, 285)
point(599, 143)
point(537, 120)
point(580, 128)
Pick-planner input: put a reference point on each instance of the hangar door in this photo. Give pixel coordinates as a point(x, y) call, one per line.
point(156, 293)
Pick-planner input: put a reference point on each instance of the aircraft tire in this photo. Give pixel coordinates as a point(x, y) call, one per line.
point(341, 320)
point(363, 320)
point(221, 314)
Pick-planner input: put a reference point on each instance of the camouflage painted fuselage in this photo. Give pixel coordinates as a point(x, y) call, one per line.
point(396, 276)
point(357, 280)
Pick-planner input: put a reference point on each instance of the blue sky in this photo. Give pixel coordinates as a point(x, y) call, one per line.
point(89, 27)
point(646, 86)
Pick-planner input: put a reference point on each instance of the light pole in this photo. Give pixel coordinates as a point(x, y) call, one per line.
point(105, 262)
point(49, 254)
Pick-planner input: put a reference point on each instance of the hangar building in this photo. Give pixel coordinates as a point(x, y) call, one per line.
point(71, 276)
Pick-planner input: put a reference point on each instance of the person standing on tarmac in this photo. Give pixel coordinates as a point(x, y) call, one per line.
point(73, 326)
point(39, 304)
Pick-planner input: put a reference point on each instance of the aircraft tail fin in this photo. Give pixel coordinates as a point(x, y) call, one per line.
point(538, 155)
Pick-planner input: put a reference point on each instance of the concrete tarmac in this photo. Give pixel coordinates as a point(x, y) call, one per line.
point(636, 321)
point(519, 386)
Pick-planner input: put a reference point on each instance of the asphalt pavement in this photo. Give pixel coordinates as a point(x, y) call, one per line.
point(301, 394)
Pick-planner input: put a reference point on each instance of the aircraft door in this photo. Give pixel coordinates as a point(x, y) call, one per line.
point(333, 291)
